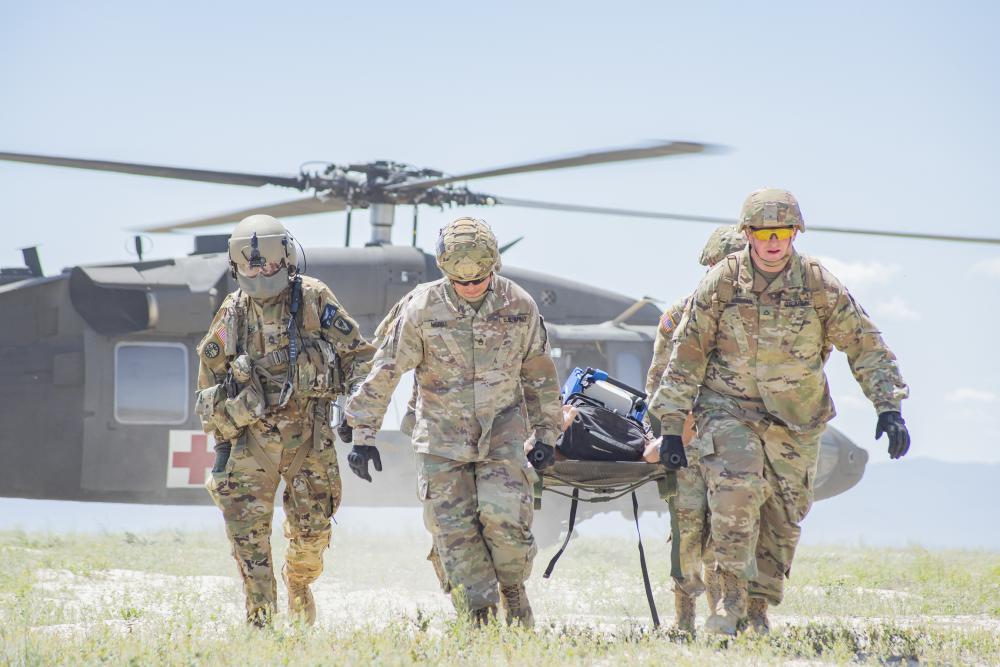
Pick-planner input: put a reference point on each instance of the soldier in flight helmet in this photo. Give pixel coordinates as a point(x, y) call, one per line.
point(280, 349)
point(262, 256)
point(484, 377)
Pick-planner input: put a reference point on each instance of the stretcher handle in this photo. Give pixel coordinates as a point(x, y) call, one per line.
point(621, 385)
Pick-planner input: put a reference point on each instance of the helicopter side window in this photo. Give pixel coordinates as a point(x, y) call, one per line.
point(628, 368)
point(151, 383)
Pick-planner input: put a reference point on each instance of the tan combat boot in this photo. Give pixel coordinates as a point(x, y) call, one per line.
point(684, 608)
point(301, 605)
point(484, 615)
point(734, 605)
point(757, 616)
point(515, 601)
point(713, 590)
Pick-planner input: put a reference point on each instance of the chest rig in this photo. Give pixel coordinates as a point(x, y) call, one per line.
point(307, 366)
point(728, 286)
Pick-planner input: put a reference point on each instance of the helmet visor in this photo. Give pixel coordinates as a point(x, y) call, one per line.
point(252, 271)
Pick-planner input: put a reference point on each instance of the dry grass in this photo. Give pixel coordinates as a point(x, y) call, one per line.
point(175, 599)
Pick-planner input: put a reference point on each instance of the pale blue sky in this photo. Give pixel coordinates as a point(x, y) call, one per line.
point(873, 114)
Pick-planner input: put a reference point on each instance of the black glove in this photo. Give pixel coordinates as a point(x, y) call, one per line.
point(345, 431)
point(542, 456)
point(892, 424)
point(672, 454)
point(222, 452)
point(360, 456)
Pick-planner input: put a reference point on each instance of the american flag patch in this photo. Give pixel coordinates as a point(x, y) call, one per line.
point(220, 333)
point(667, 322)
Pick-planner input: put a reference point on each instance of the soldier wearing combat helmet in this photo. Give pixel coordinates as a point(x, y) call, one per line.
point(748, 360)
point(690, 505)
point(279, 350)
point(485, 380)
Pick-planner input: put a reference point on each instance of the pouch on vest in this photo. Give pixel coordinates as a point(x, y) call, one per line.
point(318, 373)
point(211, 408)
point(246, 408)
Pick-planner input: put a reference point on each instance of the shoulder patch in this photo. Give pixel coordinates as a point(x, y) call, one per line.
point(211, 350)
point(342, 325)
point(220, 333)
point(667, 323)
point(328, 317)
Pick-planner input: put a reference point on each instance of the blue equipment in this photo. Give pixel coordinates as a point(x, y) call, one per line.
point(612, 394)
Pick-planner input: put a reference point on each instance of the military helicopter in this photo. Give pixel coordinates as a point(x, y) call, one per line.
point(97, 364)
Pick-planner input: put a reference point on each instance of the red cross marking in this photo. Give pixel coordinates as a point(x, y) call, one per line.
point(196, 460)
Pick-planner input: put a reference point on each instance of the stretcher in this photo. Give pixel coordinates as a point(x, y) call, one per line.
point(603, 481)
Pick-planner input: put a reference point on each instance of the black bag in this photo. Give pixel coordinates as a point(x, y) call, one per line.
point(598, 434)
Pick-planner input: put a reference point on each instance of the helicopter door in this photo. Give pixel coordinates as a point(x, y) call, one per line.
point(138, 390)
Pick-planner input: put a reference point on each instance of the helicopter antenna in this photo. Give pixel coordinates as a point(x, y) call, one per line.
point(347, 234)
point(32, 261)
point(415, 209)
point(140, 243)
point(507, 246)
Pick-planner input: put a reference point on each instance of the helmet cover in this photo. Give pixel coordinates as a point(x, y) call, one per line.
point(723, 241)
point(771, 207)
point(467, 250)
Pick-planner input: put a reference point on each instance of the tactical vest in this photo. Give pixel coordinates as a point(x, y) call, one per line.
point(726, 288)
point(308, 367)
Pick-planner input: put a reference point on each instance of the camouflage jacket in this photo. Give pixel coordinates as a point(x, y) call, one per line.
point(760, 356)
point(663, 345)
point(475, 372)
point(332, 357)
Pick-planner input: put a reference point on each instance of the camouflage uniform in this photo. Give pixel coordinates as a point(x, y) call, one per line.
point(271, 440)
point(483, 378)
point(758, 360)
point(689, 507)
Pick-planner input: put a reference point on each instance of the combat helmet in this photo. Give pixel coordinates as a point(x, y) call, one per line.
point(467, 250)
point(771, 207)
point(723, 241)
point(262, 256)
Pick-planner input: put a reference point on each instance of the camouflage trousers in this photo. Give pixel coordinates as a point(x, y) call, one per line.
point(245, 494)
point(759, 483)
point(691, 536)
point(479, 516)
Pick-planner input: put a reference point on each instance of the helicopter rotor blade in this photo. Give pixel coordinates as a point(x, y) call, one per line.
point(603, 210)
point(287, 209)
point(646, 151)
point(655, 215)
point(180, 173)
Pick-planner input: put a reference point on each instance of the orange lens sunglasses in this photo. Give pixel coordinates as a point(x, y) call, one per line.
point(780, 233)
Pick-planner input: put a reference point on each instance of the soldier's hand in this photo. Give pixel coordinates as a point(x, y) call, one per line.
point(672, 454)
point(345, 432)
point(358, 460)
point(542, 456)
point(891, 423)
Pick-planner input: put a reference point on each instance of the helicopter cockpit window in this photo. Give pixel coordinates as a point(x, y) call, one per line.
point(151, 383)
